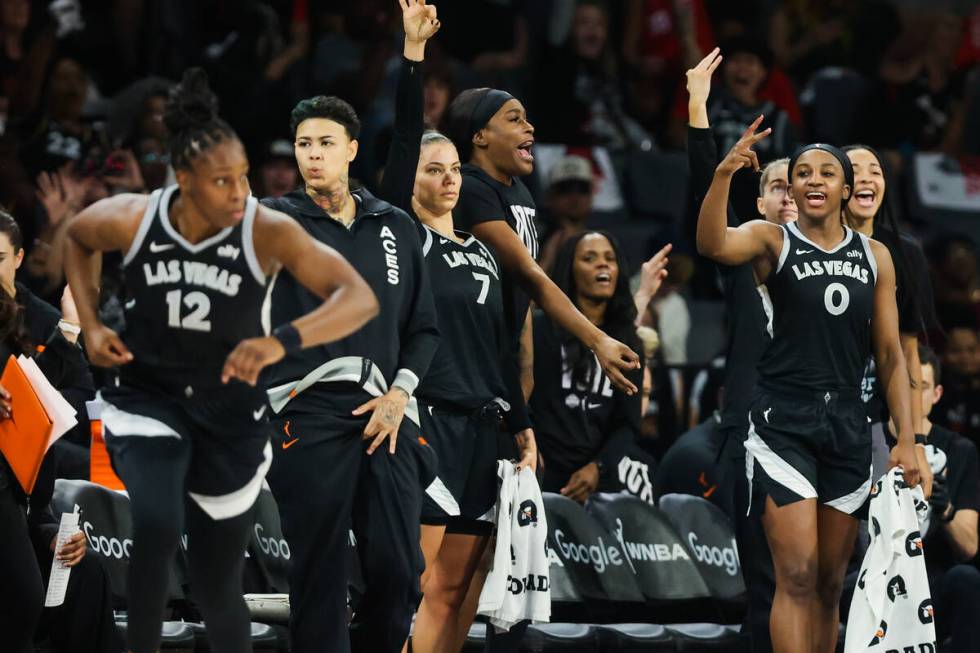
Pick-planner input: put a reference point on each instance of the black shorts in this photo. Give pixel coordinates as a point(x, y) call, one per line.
point(466, 444)
point(815, 446)
point(227, 430)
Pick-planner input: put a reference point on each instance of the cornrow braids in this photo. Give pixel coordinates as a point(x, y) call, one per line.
point(192, 119)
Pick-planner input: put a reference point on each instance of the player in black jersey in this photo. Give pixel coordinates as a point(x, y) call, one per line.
point(494, 138)
point(185, 425)
point(473, 380)
point(833, 296)
point(866, 212)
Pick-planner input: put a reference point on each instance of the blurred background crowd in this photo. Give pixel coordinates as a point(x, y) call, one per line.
point(83, 85)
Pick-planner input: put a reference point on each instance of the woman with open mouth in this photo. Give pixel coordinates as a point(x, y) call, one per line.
point(868, 213)
point(808, 450)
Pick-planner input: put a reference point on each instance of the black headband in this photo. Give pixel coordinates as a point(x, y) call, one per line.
point(845, 163)
point(485, 109)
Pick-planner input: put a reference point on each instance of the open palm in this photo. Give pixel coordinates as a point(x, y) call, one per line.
point(419, 20)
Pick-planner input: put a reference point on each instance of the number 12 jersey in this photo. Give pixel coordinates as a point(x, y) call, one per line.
point(821, 306)
point(187, 305)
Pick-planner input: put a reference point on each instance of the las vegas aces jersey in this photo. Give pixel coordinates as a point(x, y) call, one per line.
point(188, 305)
point(466, 286)
point(821, 301)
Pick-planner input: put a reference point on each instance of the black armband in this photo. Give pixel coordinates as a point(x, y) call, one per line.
point(920, 439)
point(288, 337)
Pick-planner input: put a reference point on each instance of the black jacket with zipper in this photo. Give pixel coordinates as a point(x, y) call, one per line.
point(382, 244)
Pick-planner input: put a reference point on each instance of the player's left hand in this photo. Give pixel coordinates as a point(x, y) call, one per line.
point(72, 551)
point(616, 358)
point(387, 412)
point(250, 357)
point(904, 456)
point(419, 20)
point(582, 484)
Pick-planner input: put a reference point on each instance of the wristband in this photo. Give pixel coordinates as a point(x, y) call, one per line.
point(69, 327)
point(920, 439)
point(288, 337)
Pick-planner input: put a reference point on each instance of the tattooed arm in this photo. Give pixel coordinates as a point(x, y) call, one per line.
point(387, 412)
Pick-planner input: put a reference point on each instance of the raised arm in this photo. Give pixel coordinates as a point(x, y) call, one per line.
point(420, 24)
point(891, 364)
point(615, 358)
point(715, 239)
point(108, 225)
point(348, 300)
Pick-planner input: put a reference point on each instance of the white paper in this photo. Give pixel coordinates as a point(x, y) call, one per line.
point(59, 411)
point(58, 580)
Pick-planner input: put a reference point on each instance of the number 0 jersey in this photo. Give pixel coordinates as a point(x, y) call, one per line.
point(821, 303)
point(188, 305)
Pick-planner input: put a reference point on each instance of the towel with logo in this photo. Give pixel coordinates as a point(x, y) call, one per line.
point(892, 606)
point(518, 585)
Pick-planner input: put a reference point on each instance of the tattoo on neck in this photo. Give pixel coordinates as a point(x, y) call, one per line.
point(334, 202)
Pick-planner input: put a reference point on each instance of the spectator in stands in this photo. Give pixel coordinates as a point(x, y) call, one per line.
point(438, 89)
point(951, 539)
point(807, 35)
point(568, 204)
point(663, 38)
point(955, 279)
point(276, 172)
point(489, 36)
point(926, 105)
point(29, 326)
point(583, 424)
point(959, 407)
point(26, 46)
point(580, 90)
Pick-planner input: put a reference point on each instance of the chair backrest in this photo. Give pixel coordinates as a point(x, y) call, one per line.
point(106, 520)
point(708, 534)
point(267, 547)
point(587, 555)
point(663, 565)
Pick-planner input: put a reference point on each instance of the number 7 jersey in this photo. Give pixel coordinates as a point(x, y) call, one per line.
point(821, 306)
point(188, 305)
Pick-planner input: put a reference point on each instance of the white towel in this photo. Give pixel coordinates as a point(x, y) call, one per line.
point(518, 585)
point(892, 607)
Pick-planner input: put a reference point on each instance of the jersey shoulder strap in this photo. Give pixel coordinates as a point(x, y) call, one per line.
point(248, 240)
point(872, 261)
point(149, 215)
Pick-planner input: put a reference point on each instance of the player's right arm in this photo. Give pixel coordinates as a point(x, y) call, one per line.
point(349, 302)
point(108, 225)
point(752, 240)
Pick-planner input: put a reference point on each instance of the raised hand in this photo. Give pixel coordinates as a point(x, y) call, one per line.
point(742, 155)
point(419, 20)
point(60, 193)
point(699, 78)
point(654, 271)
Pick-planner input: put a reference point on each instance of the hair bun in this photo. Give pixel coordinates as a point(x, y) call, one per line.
point(192, 103)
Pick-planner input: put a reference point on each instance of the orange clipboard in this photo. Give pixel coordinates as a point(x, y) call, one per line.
point(24, 438)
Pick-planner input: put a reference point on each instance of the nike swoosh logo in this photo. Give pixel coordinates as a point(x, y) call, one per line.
point(443, 241)
point(286, 445)
point(156, 248)
point(594, 406)
point(257, 414)
point(804, 251)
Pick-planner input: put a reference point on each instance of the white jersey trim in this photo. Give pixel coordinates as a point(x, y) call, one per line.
point(119, 423)
point(427, 245)
point(439, 493)
point(233, 504)
point(848, 235)
point(766, 306)
point(145, 224)
point(784, 251)
point(248, 241)
point(872, 261)
point(778, 469)
point(173, 233)
point(851, 502)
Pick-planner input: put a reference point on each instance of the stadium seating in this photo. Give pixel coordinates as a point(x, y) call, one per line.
point(634, 638)
point(267, 548)
point(708, 533)
point(707, 638)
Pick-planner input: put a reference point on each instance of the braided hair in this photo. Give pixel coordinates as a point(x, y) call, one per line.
point(192, 119)
point(620, 315)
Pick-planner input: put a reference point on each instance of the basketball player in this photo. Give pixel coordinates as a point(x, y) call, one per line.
point(472, 384)
point(332, 398)
point(185, 425)
point(833, 296)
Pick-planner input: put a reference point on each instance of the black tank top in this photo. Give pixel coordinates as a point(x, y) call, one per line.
point(821, 303)
point(188, 305)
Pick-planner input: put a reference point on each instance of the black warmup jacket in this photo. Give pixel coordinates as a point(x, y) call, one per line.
point(383, 246)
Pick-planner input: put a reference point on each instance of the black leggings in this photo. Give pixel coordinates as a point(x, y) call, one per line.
point(22, 597)
point(154, 474)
